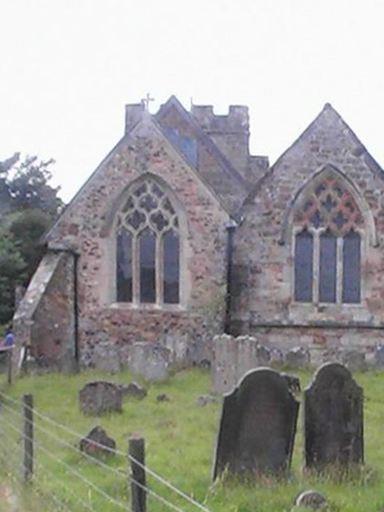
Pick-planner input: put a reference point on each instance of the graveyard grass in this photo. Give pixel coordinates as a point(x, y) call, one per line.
point(180, 438)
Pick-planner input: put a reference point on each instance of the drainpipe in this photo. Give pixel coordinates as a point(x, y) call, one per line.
point(76, 306)
point(230, 227)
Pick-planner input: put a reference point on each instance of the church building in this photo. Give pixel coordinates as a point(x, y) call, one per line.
point(181, 234)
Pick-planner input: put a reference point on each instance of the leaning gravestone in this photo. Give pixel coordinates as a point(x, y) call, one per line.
point(333, 418)
point(150, 360)
point(258, 426)
point(97, 443)
point(100, 397)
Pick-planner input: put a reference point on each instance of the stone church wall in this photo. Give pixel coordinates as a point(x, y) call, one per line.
point(87, 226)
point(263, 302)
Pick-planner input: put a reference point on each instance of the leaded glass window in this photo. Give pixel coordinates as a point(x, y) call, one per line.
point(327, 250)
point(148, 247)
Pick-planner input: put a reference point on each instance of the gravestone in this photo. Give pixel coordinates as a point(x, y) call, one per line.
point(150, 360)
point(133, 390)
point(333, 418)
point(100, 397)
point(311, 499)
point(263, 355)
point(379, 356)
point(97, 443)
point(257, 427)
point(354, 360)
point(298, 357)
point(106, 358)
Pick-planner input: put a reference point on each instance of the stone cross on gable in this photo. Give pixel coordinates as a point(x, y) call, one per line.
point(146, 101)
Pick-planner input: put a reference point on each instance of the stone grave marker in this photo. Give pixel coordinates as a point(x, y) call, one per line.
point(97, 443)
point(379, 356)
point(257, 427)
point(150, 360)
point(298, 357)
point(100, 397)
point(354, 360)
point(333, 419)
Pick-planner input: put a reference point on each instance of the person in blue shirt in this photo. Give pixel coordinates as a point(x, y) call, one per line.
point(9, 339)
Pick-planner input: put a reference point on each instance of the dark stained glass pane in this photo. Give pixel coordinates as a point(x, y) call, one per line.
point(303, 267)
point(351, 268)
point(147, 266)
point(327, 270)
point(171, 268)
point(124, 266)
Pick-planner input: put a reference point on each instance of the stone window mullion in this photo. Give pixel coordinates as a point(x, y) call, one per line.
point(136, 270)
point(339, 271)
point(316, 267)
point(159, 271)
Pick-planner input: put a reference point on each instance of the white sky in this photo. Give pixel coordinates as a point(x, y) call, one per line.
point(68, 67)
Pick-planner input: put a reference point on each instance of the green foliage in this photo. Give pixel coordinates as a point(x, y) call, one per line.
point(12, 267)
point(27, 230)
point(29, 186)
point(180, 439)
point(28, 206)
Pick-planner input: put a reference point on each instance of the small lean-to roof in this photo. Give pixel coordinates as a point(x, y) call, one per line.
point(327, 114)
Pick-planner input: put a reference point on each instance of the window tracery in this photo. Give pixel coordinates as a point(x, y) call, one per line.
point(148, 247)
point(327, 256)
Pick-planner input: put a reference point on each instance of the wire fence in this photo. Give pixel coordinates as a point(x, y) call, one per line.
point(41, 459)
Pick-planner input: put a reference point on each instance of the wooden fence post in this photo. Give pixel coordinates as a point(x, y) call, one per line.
point(136, 450)
point(9, 364)
point(28, 437)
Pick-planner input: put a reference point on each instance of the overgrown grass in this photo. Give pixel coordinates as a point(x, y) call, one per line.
point(180, 438)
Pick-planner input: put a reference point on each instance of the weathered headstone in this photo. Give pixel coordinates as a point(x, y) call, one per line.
point(100, 397)
point(97, 443)
point(133, 390)
point(298, 357)
point(263, 355)
point(333, 418)
point(150, 360)
point(276, 356)
point(258, 426)
point(225, 363)
point(106, 358)
point(311, 499)
point(354, 360)
point(379, 356)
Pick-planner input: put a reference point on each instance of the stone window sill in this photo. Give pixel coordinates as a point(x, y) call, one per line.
point(148, 307)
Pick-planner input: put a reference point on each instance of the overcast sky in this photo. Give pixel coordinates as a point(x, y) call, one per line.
point(68, 67)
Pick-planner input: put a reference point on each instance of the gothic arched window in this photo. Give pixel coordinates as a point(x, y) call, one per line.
point(327, 250)
point(148, 247)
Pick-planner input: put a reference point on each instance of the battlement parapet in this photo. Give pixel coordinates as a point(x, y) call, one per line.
point(236, 121)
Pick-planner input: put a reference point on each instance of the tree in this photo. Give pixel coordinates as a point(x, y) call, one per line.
point(28, 186)
point(28, 207)
point(12, 268)
point(27, 230)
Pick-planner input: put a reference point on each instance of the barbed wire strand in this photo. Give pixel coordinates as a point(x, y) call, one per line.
point(66, 488)
point(39, 446)
point(17, 481)
point(143, 466)
point(91, 484)
point(74, 448)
